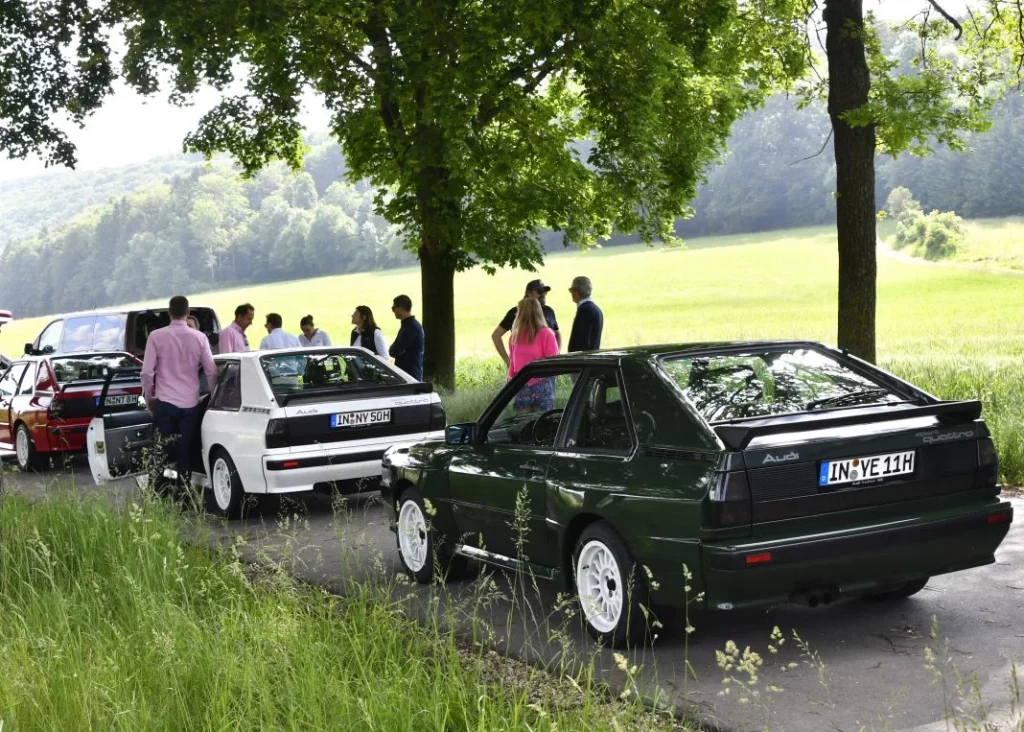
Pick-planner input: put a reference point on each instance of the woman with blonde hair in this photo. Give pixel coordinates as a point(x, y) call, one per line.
point(532, 339)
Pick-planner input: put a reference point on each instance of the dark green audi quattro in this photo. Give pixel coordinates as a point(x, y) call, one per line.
point(771, 472)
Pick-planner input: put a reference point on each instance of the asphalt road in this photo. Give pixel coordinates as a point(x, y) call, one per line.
point(872, 672)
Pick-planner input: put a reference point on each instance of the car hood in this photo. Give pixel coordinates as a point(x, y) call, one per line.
point(430, 454)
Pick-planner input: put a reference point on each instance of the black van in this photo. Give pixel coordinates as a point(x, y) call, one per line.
point(114, 330)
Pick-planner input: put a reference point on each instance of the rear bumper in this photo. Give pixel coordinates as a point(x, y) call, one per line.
point(64, 437)
point(296, 472)
point(853, 562)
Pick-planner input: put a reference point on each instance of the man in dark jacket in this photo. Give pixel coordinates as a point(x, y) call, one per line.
point(407, 350)
point(589, 320)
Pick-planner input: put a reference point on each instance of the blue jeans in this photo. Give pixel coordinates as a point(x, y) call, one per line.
point(176, 430)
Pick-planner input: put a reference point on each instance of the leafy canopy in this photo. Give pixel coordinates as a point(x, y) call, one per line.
point(466, 114)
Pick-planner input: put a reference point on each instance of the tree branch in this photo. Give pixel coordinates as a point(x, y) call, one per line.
point(955, 23)
point(823, 145)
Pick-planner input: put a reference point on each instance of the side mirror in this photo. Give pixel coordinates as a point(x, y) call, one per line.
point(459, 434)
point(28, 349)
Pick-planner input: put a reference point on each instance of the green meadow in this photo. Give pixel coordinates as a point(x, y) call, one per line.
point(955, 330)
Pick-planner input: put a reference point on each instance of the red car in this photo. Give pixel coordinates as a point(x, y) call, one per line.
point(47, 402)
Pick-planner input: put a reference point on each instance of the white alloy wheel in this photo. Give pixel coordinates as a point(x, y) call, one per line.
point(412, 536)
point(599, 586)
point(22, 448)
point(222, 483)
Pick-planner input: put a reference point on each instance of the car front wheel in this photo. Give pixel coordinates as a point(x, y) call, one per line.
point(421, 556)
point(25, 451)
point(611, 590)
point(226, 495)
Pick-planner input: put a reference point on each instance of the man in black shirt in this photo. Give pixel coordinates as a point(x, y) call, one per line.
point(537, 290)
point(589, 320)
point(407, 350)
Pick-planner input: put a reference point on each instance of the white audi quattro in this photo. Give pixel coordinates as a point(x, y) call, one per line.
point(285, 421)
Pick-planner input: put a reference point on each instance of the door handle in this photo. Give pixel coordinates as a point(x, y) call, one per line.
point(531, 466)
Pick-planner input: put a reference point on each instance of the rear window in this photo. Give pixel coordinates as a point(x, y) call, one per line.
point(738, 386)
point(298, 373)
point(93, 366)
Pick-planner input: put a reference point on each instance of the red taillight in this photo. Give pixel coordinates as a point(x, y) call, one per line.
point(998, 518)
point(290, 464)
point(762, 558)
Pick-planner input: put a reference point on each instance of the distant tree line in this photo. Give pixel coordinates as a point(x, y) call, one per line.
point(203, 229)
point(191, 226)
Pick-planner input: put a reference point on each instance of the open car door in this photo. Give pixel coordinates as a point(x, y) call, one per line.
point(118, 439)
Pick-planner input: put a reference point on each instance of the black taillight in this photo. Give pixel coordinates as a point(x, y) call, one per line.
point(277, 433)
point(988, 464)
point(56, 408)
point(438, 418)
point(729, 500)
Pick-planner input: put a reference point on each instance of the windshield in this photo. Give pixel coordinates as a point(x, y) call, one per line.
point(298, 373)
point(89, 366)
point(737, 386)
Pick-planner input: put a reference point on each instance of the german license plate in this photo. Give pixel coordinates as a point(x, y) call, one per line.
point(119, 401)
point(361, 419)
point(871, 467)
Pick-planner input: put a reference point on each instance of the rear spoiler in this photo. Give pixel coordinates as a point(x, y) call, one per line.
point(738, 436)
point(356, 392)
point(128, 373)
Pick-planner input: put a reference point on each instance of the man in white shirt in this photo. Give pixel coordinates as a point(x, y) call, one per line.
point(276, 337)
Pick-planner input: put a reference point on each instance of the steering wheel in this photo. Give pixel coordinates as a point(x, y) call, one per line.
point(535, 432)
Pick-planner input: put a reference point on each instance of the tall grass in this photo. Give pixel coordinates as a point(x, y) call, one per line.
point(111, 621)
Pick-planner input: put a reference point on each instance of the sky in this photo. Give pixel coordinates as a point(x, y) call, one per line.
point(131, 129)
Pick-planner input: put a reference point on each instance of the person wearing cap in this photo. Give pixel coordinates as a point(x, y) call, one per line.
point(538, 291)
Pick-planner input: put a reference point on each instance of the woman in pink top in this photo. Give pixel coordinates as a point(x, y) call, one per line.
point(532, 339)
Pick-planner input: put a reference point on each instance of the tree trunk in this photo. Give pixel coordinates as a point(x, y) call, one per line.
point(848, 85)
point(437, 279)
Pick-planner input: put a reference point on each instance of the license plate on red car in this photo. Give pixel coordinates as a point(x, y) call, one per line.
point(118, 401)
point(868, 468)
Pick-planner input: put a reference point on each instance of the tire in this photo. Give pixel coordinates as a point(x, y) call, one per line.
point(25, 450)
point(421, 556)
point(611, 589)
point(899, 593)
point(225, 496)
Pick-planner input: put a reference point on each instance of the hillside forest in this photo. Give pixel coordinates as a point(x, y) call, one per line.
point(76, 241)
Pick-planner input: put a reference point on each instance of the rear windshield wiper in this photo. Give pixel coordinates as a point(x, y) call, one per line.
point(841, 400)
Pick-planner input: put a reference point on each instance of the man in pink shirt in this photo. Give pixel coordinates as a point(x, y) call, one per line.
point(170, 382)
point(232, 338)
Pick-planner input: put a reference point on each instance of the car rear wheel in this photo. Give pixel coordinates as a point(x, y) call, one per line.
point(25, 451)
point(225, 495)
point(421, 556)
point(611, 590)
point(898, 593)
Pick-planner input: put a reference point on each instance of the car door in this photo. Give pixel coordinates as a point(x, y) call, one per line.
point(223, 420)
point(119, 443)
point(506, 465)
point(594, 456)
point(8, 392)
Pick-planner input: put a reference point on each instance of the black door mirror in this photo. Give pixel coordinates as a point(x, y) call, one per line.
point(29, 350)
point(460, 434)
